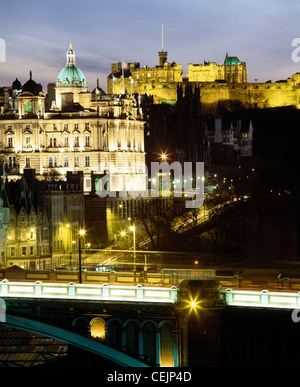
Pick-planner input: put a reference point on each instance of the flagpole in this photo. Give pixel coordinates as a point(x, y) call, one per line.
point(123, 91)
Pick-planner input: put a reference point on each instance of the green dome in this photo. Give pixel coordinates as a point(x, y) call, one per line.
point(72, 75)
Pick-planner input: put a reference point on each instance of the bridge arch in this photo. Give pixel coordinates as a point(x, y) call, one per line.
point(155, 342)
point(72, 338)
point(80, 319)
point(149, 341)
point(114, 330)
point(80, 324)
point(167, 344)
point(130, 339)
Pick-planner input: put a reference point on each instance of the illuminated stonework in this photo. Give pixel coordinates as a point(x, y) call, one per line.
point(232, 71)
point(160, 81)
point(88, 131)
point(226, 82)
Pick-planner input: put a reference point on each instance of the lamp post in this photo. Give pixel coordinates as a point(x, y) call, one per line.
point(67, 239)
point(81, 233)
point(132, 228)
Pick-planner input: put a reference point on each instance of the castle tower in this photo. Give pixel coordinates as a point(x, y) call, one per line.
point(234, 70)
point(162, 55)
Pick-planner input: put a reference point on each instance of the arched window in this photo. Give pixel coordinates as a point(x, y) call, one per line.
point(98, 328)
point(132, 338)
point(115, 333)
point(149, 343)
point(166, 346)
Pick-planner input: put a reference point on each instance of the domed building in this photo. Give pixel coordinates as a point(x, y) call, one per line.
point(70, 80)
point(17, 86)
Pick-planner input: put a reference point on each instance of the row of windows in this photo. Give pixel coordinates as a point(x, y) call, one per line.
point(53, 162)
point(53, 142)
point(55, 127)
point(27, 250)
point(76, 126)
point(28, 234)
point(24, 251)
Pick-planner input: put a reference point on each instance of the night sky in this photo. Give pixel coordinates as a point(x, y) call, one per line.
point(37, 35)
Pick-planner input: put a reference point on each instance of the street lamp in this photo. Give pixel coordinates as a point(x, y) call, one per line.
point(132, 228)
point(81, 233)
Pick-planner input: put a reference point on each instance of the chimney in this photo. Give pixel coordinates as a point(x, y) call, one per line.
point(67, 102)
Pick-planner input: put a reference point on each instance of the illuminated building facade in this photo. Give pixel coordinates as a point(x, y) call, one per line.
point(4, 222)
point(28, 232)
point(86, 131)
point(232, 71)
point(44, 221)
point(226, 83)
point(160, 81)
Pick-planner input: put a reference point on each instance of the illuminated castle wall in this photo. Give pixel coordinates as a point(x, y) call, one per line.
point(226, 82)
point(232, 71)
point(160, 81)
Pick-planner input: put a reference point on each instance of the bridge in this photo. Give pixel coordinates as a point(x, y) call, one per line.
point(144, 324)
point(143, 294)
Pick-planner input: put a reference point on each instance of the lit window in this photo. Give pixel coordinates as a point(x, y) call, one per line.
point(27, 142)
point(27, 107)
point(11, 162)
point(10, 142)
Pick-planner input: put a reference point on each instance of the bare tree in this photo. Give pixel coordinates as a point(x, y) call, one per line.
point(164, 220)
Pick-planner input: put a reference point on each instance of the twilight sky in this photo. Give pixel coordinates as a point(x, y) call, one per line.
point(37, 35)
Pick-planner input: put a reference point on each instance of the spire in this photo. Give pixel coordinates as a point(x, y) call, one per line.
point(71, 56)
point(162, 38)
point(30, 74)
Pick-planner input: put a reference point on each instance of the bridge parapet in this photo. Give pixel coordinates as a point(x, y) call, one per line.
point(263, 298)
point(103, 292)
